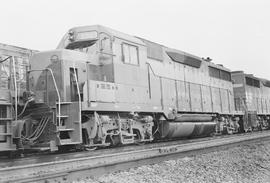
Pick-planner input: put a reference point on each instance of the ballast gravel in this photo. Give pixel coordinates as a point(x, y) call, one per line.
point(243, 163)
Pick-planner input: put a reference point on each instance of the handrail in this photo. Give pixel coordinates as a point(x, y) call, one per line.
point(87, 81)
point(15, 88)
point(57, 91)
point(79, 94)
point(1, 61)
point(106, 53)
point(149, 66)
point(77, 83)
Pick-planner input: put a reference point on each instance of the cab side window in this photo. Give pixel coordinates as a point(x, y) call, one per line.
point(130, 54)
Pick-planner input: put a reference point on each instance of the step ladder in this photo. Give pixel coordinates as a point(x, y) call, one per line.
point(6, 134)
point(68, 124)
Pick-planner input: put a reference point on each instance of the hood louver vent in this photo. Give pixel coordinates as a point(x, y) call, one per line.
point(184, 59)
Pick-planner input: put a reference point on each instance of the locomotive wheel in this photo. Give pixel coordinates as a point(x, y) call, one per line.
point(11, 154)
point(228, 131)
point(137, 137)
point(115, 140)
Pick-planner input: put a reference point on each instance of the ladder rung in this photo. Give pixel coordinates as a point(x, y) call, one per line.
point(67, 142)
point(65, 129)
point(3, 119)
point(63, 103)
point(4, 103)
point(5, 134)
point(62, 116)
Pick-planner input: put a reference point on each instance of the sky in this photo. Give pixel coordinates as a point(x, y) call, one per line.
point(235, 33)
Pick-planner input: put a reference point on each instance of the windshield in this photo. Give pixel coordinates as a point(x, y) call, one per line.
point(83, 41)
point(81, 44)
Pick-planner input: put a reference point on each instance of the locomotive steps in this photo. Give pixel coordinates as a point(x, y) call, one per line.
point(70, 168)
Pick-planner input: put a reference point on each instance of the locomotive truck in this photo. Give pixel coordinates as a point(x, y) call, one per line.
point(101, 87)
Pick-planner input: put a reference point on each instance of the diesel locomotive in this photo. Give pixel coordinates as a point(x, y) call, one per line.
point(252, 96)
point(101, 87)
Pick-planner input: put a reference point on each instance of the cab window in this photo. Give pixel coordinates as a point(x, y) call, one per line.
point(130, 54)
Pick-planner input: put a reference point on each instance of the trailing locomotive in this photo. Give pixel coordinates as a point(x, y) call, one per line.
point(101, 87)
point(252, 95)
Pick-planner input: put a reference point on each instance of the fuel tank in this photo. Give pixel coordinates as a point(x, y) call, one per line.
point(174, 129)
point(193, 117)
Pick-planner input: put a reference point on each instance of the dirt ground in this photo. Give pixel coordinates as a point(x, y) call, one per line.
point(243, 163)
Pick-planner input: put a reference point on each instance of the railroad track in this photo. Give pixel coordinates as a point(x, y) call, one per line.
point(69, 167)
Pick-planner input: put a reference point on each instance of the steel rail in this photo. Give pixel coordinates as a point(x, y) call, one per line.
point(62, 168)
point(43, 157)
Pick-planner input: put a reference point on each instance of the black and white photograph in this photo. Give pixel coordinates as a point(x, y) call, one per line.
point(135, 91)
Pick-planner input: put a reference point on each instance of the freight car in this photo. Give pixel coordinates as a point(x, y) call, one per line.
point(252, 95)
point(14, 62)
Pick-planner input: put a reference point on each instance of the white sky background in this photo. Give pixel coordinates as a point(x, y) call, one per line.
point(235, 33)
